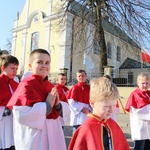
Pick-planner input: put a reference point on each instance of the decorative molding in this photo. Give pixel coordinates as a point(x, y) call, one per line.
point(30, 19)
point(36, 19)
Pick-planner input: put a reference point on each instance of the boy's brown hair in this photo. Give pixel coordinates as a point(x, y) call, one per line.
point(60, 74)
point(107, 76)
point(37, 51)
point(80, 71)
point(6, 59)
point(102, 89)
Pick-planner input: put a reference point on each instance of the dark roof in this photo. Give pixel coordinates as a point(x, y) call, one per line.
point(132, 64)
point(116, 31)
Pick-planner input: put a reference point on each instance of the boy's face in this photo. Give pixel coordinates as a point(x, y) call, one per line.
point(103, 109)
point(40, 64)
point(61, 79)
point(143, 85)
point(10, 70)
point(81, 77)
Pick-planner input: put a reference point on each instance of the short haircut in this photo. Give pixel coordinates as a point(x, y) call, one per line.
point(102, 89)
point(37, 51)
point(143, 76)
point(80, 71)
point(107, 76)
point(6, 59)
point(61, 74)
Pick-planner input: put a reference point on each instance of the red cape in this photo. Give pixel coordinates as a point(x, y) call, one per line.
point(5, 93)
point(80, 92)
point(30, 91)
point(89, 136)
point(62, 92)
point(138, 99)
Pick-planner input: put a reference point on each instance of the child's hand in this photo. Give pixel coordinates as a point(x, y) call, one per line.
point(52, 96)
point(85, 110)
point(57, 99)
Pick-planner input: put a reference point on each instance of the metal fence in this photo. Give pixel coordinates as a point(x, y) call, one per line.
point(120, 78)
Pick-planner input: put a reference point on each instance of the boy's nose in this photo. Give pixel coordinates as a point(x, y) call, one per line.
point(111, 109)
point(43, 65)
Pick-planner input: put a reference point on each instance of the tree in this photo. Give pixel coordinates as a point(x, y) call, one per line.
point(9, 44)
point(132, 17)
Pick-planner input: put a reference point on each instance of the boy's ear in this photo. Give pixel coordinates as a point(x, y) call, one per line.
point(92, 103)
point(2, 68)
point(30, 66)
point(56, 80)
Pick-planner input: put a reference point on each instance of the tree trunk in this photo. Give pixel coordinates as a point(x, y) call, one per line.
point(101, 39)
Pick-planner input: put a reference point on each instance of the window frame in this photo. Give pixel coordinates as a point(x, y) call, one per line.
point(34, 40)
point(118, 53)
point(109, 50)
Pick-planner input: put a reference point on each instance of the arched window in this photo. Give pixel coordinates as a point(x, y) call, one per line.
point(34, 40)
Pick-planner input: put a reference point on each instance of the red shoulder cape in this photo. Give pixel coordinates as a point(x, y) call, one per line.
point(138, 99)
point(80, 93)
point(62, 92)
point(5, 93)
point(89, 136)
point(30, 91)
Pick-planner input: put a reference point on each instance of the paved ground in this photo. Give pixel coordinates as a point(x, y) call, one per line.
point(123, 121)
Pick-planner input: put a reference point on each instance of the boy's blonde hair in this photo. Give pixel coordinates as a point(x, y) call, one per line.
point(143, 76)
point(102, 89)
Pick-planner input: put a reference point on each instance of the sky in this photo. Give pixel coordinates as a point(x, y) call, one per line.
point(8, 13)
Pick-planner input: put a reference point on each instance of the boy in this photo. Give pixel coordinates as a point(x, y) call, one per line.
point(78, 99)
point(138, 105)
point(117, 110)
point(35, 104)
point(8, 68)
point(99, 131)
point(62, 91)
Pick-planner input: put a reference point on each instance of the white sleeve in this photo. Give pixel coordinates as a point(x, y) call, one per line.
point(2, 108)
point(74, 106)
point(65, 107)
point(142, 113)
point(33, 117)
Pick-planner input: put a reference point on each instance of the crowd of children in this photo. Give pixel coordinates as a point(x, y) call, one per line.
point(33, 112)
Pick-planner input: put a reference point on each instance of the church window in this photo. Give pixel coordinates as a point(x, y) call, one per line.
point(34, 40)
point(109, 50)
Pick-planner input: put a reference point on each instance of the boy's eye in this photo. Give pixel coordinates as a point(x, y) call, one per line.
point(39, 62)
point(106, 106)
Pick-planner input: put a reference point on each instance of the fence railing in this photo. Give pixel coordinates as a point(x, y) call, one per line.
point(120, 79)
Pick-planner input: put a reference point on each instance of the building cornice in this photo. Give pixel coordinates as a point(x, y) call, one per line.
point(27, 25)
